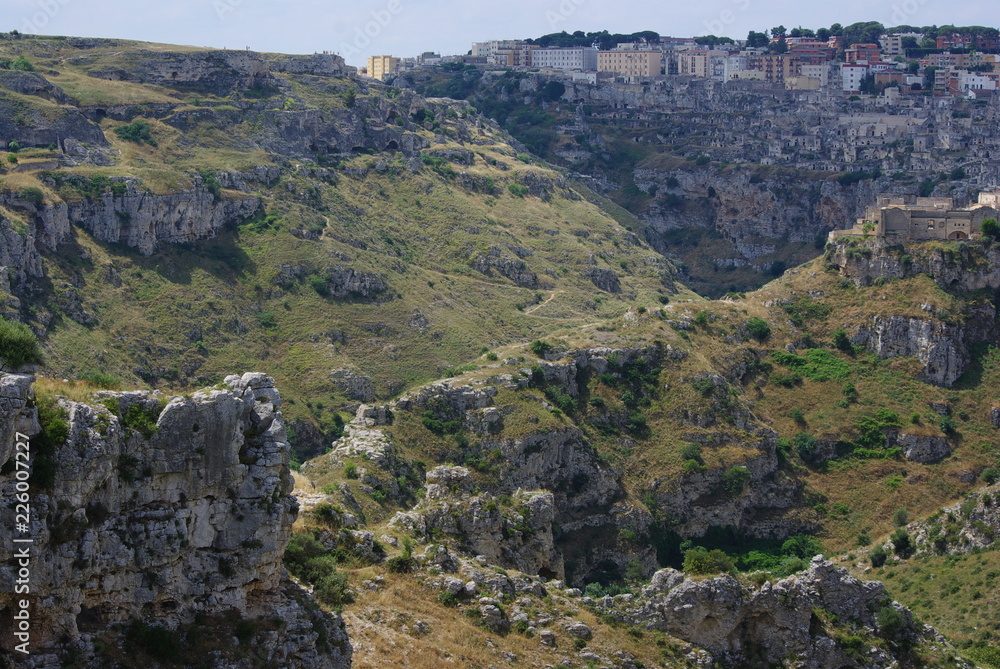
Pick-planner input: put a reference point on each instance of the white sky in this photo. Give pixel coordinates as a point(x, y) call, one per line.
point(409, 27)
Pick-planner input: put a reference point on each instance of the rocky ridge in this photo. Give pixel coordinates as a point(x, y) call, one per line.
point(160, 509)
point(941, 342)
point(806, 616)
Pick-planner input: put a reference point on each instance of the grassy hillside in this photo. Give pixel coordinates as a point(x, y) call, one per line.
point(253, 296)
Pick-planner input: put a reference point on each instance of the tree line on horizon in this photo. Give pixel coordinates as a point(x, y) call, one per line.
point(866, 32)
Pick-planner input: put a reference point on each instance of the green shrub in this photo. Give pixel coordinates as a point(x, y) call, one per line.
point(691, 452)
point(842, 341)
point(947, 425)
point(878, 556)
point(402, 564)
point(53, 420)
point(18, 345)
point(805, 446)
point(33, 195)
point(734, 479)
point(890, 622)
point(802, 546)
point(990, 229)
point(350, 470)
point(901, 541)
point(540, 347)
point(448, 598)
point(23, 64)
point(517, 190)
point(14, 146)
point(267, 319)
point(701, 561)
point(140, 419)
point(758, 328)
point(850, 392)
point(332, 590)
point(901, 517)
point(815, 364)
point(990, 475)
point(137, 131)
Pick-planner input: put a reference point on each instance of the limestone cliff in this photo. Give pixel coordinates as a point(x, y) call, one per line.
point(808, 616)
point(941, 341)
point(158, 510)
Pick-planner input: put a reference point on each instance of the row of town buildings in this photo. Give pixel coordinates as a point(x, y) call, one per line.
point(808, 64)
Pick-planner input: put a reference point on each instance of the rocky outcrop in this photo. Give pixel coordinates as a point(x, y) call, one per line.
point(940, 347)
point(41, 125)
point(18, 253)
point(941, 342)
point(604, 279)
point(353, 385)
point(967, 267)
point(345, 282)
point(144, 221)
point(161, 510)
point(138, 218)
point(803, 617)
point(972, 524)
point(921, 448)
point(32, 83)
point(496, 260)
point(518, 535)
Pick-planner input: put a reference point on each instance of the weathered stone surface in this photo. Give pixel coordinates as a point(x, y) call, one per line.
point(354, 385)
point(519, 536)
point(18, 253)
point(138, 218)
point(735, 622)
point(496, 259)
point(971, 524)
point(604, 279)
point(923, 449)
point(347, 282)
point(938, 346)
point(193, 518)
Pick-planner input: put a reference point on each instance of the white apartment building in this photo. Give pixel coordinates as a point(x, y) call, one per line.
point(851, 76)
point(573, 58)
point(490, 48)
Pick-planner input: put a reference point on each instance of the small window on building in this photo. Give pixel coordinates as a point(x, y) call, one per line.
point(930, 225)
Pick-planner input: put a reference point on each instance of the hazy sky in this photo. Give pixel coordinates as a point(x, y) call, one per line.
point(409, 27)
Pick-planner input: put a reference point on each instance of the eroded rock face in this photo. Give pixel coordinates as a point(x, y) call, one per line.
point(144, 221)
point(138, 218)
point(347, 282)
point(760, 509)
point(18, 253)
point(940, 342)
point(740, 624)
point(968, 267)
point(604, 279)
point(971, 524)
point(192, 518)
point(941, 348)
point(518, 536)
point(923, 449)
point(497, 260)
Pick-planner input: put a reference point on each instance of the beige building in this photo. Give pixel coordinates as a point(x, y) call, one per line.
point(630, 63)
point(707, 64)
point(901, 219)
point(379, 67)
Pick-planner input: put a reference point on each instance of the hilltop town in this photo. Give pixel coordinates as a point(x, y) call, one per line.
point(862, 58)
